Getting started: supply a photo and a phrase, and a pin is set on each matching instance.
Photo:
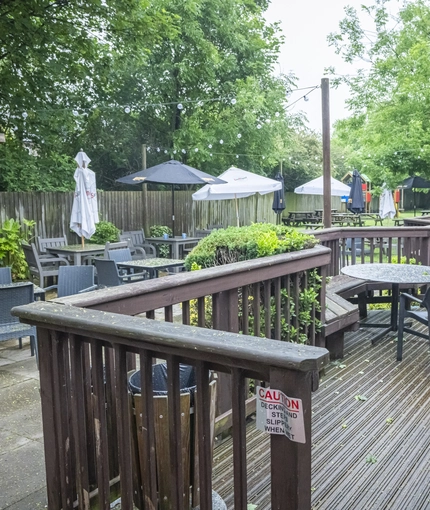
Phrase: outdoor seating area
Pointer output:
(346, 303)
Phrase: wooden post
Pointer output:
(145, 219)
(325, 99)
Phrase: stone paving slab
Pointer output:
(22, 464)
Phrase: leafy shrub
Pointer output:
(12, 234)
(158, 231)
(105, 232)
(235, 244)
(260, 240)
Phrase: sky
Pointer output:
(305, 25)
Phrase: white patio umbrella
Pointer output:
(84, 210)
(386, 204)
(239, 184)
(315, 187)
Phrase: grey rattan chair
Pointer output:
(5, 275)
(16, 294)
(41, 268)
(109, 276)
(74, 280)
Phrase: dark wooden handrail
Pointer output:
(83, 378)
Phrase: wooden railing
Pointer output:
(375, 244)
(86, 417)
(87, 344)
(260, 297)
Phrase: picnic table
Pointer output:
(344, 219)
(319, 212)
(297, 218)
(425, 213)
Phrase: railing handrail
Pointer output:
(194, 284)
(220, 347)
(333, 233)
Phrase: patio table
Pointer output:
(175, 243)
(153, 266)
(395, 274)
(77, 251)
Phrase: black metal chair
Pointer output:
(5, 275)
(16, 294)
(421, 316)
(74, 280)
(109, 276)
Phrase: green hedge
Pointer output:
(235, 244)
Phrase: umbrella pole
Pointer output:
(237, 210)
(173, 210)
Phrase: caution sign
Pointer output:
(279, 414)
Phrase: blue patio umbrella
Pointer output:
(356, 200)
(279, 198)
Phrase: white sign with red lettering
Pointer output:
(279, 414)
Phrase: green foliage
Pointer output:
(108, 77)
(158, 231)
(12, 234)
(261, 240)
(388, 137)
(235, 244)
(105, 232)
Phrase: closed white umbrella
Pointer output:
(84, 210)
(238, 184)
(386, 204)
(316, 187)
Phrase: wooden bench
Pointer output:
(346, 304)
(340, 314)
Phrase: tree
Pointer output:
(56, 61)
(208, 96)
(390, 100)
(191, 80)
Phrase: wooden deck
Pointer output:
(372, 452)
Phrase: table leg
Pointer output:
(78, 259)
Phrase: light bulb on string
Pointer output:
(75, 113)
(127, 109)
(24, 115)
(210, 146)
(221, 142)
(239, 135)
(196, 150)
(233, 101)
(180, 106)
(306, 98)
(258, 126)
(276, 114)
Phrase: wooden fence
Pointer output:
(51, 210)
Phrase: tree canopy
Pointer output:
(192, 80)
(388, 135)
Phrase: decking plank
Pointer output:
(345, 431)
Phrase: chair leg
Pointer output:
(20, 343)
(400, 333)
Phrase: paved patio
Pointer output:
(22, 472)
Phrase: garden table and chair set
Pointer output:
(82, 268)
